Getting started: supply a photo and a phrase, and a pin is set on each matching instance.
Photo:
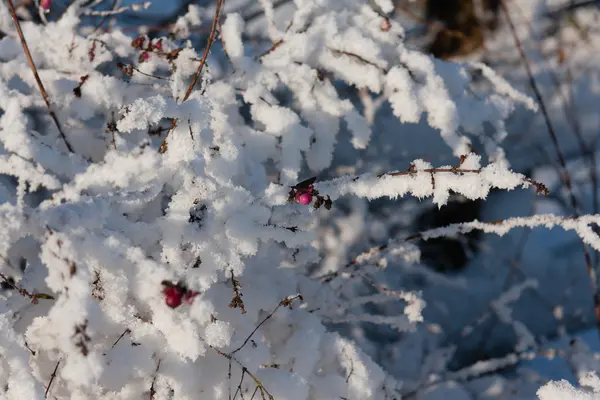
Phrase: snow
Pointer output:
(282, 299)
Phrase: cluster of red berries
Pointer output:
(175, 294)
(304, 192)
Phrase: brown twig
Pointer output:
(565, 177)
(211, 39)
(126, 331)
(540, 188)
(239, 388)
(152, 390)
(569, 110)
(36, 75)
(273, 47)
(52, 376)
(285, 302)
(229, 356)
(359, 58)
(209, 43)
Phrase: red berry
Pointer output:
(172, 296)
(158, 45)
(144, 56)
(45, 4)
(303, 198)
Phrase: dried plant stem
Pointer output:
(22, 291)
(211, 39)
(36, 75)
(52, 376)
(561, 159)
(285, 302)
(209, 43)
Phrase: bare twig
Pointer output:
(569, 109)
(239, 388)
(211, 39)
(259, 386)
(285, 302)
(359, 58)
(36, 75)
(561, 159)
(52, 376)
(152, 390)
(126, 331)
(273, 47)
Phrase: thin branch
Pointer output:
(126, 331)
(273, 47)
(359, 58)
(229, 356)
(239, 388)
(152, 390)
(36, 75)
(285, 302)
(52, 376)
(561, 159)
(569, 109)
(211, 39)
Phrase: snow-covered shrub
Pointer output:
(156, 241)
